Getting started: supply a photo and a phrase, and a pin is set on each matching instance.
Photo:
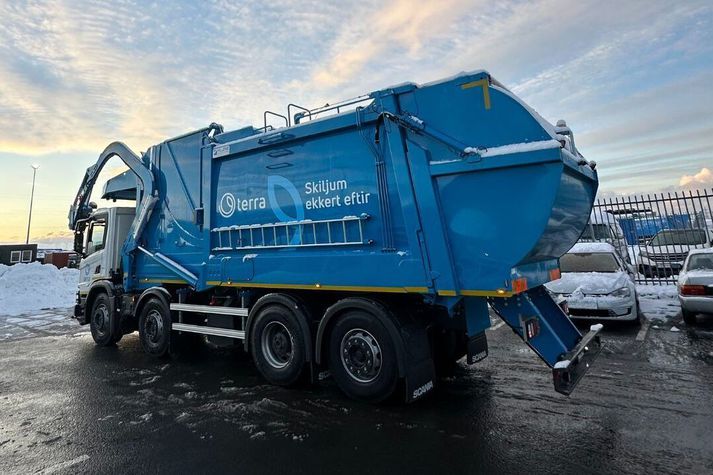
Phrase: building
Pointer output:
(15, 253)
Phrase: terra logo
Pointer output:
(226, 205)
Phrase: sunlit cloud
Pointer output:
(703, 177)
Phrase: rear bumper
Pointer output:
(697, 304)
(575, 364)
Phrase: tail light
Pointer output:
(693, 290)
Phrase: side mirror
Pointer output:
(79, 242)
(630, 269)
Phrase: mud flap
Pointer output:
(542, 324)
(419, 370)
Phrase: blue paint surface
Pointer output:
(323, 202)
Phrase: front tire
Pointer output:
(101, 323)
(277, 345)
(155, 327)
(362, 357)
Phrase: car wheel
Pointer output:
(689, 317)
(639, 315)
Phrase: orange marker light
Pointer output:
(555, 274)
(519, 285)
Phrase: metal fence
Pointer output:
(654, 232)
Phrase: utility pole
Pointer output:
(32, 197)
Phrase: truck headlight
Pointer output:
(622, 292)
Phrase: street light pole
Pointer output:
(32, 197)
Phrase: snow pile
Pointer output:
(658, 302)
(31, 287)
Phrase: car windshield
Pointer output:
(679, 236)
(596, 232)
(700, 262)
(589, 262)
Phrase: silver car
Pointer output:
(597, 284)
(695, 285)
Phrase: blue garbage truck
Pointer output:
(366, 239)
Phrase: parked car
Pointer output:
(604, 227)
(695, 285)
(597, 284)
(663, 254)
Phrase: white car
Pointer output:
(597, 284)
(663, 254)
(695, 285)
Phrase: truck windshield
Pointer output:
(596, 232)
(589, 262)
(700, 262)
(671, 237)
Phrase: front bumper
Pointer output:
(603, 308)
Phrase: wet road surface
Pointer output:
(67, 406)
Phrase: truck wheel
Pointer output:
(689, 318)
(362, 357)
(155, 327)
(101, 321)
(277, 345)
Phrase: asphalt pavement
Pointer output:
(67, 406)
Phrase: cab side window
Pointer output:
(96, 237)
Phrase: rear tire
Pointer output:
(101, 322)
(155, 327)
(689, 318)
(277, 345)
(362, 357)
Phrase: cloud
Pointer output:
(398, 25)
(703, 177)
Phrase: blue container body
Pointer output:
(448, 189)
(637, 230)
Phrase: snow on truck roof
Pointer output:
(586, 247)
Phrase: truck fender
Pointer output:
(295, 305)
(98, 287)
(159, 292)
(373, 307)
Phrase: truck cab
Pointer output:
(101, 244)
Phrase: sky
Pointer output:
(632, 79)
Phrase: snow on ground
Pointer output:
(30, 287)
(658, 302)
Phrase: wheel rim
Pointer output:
(153, 328)
(361, 355)
(277, 345)
(101, 319)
